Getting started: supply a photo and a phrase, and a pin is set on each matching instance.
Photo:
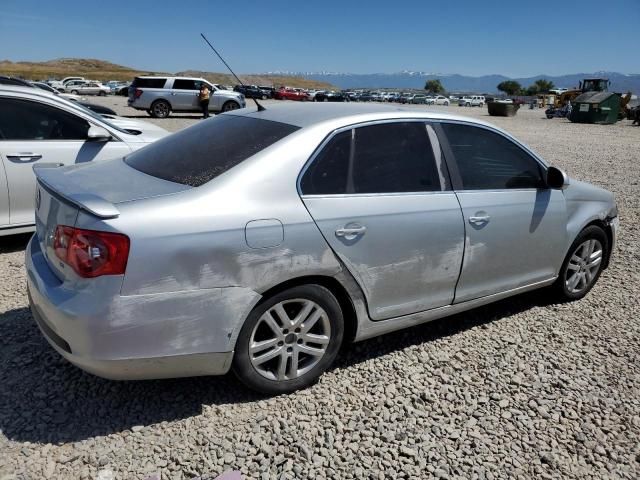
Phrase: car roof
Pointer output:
(310, 114)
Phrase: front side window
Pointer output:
(382, 158)
(489, 161)
(27, 120)
(200, 153)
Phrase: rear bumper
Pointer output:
(177, 334)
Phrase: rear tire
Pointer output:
(102, 94)
(583, 264)
(74, 92)
(277, 355)
(230, 105)
(160, 109)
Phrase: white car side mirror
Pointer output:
(98, 134)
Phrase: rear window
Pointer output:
(149, 82)
(198, 154)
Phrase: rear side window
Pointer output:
(27, 120)
(149, 82)
(384, 158)
(394, 157)
(489, 161)
(328, 173)
(182, 84)
(200, 153)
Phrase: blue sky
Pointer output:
(513, 38)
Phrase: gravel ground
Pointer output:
(520, 389)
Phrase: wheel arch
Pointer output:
(332, 284)
(608, 230)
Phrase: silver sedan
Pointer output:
(260, 241)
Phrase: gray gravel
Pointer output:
(520, 389)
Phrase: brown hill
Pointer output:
(104, 71)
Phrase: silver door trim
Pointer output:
(372, 328)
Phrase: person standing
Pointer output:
(203, 97)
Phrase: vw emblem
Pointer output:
(38, 198)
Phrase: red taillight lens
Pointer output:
(91, 253)
(137, 93)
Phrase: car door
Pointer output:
(38, 135)
(379, 194)
(515, 226)
(184, 95)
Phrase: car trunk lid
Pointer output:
(95, 188)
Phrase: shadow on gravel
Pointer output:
(171, 117)
(45, 399)
(442, 328)
(14, 243)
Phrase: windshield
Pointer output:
(200, 153)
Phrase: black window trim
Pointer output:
(442, 168)
(76, 111)
(452, 164)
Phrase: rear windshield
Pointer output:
(200, 153)
(148, 82)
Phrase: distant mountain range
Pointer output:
(620, 82)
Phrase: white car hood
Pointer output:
(148, 131)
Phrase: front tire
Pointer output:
(583, 264)
(289, 340)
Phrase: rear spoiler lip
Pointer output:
(87, 201)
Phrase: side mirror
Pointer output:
(557, 179)
(98, 134)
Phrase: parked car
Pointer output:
(251, 91)
(330, 97)
(312, 94)
(39, 129)
(84, 87)
(472, 101)
(160, 96)
(61, 84)
(440, 100)
(406, 97)
(287, 93)
(268, 90)
(365, 97)
(273, 229)
(419, 99)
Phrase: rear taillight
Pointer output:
(91, 253)
(137, 93)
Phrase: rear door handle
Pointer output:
(351, 231)
(23, 157)
(479, 219)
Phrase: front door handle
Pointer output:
(23, 157)
(351, 232)
(479, 219)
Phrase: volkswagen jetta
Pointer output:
(260, 241)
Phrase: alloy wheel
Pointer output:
(227, 107)
(583, 266)
(161, 109)
(289, 339)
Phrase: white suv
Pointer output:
(160, 96)
(473, 101)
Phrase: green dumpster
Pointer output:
(595, 107)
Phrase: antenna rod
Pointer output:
(260, 107)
